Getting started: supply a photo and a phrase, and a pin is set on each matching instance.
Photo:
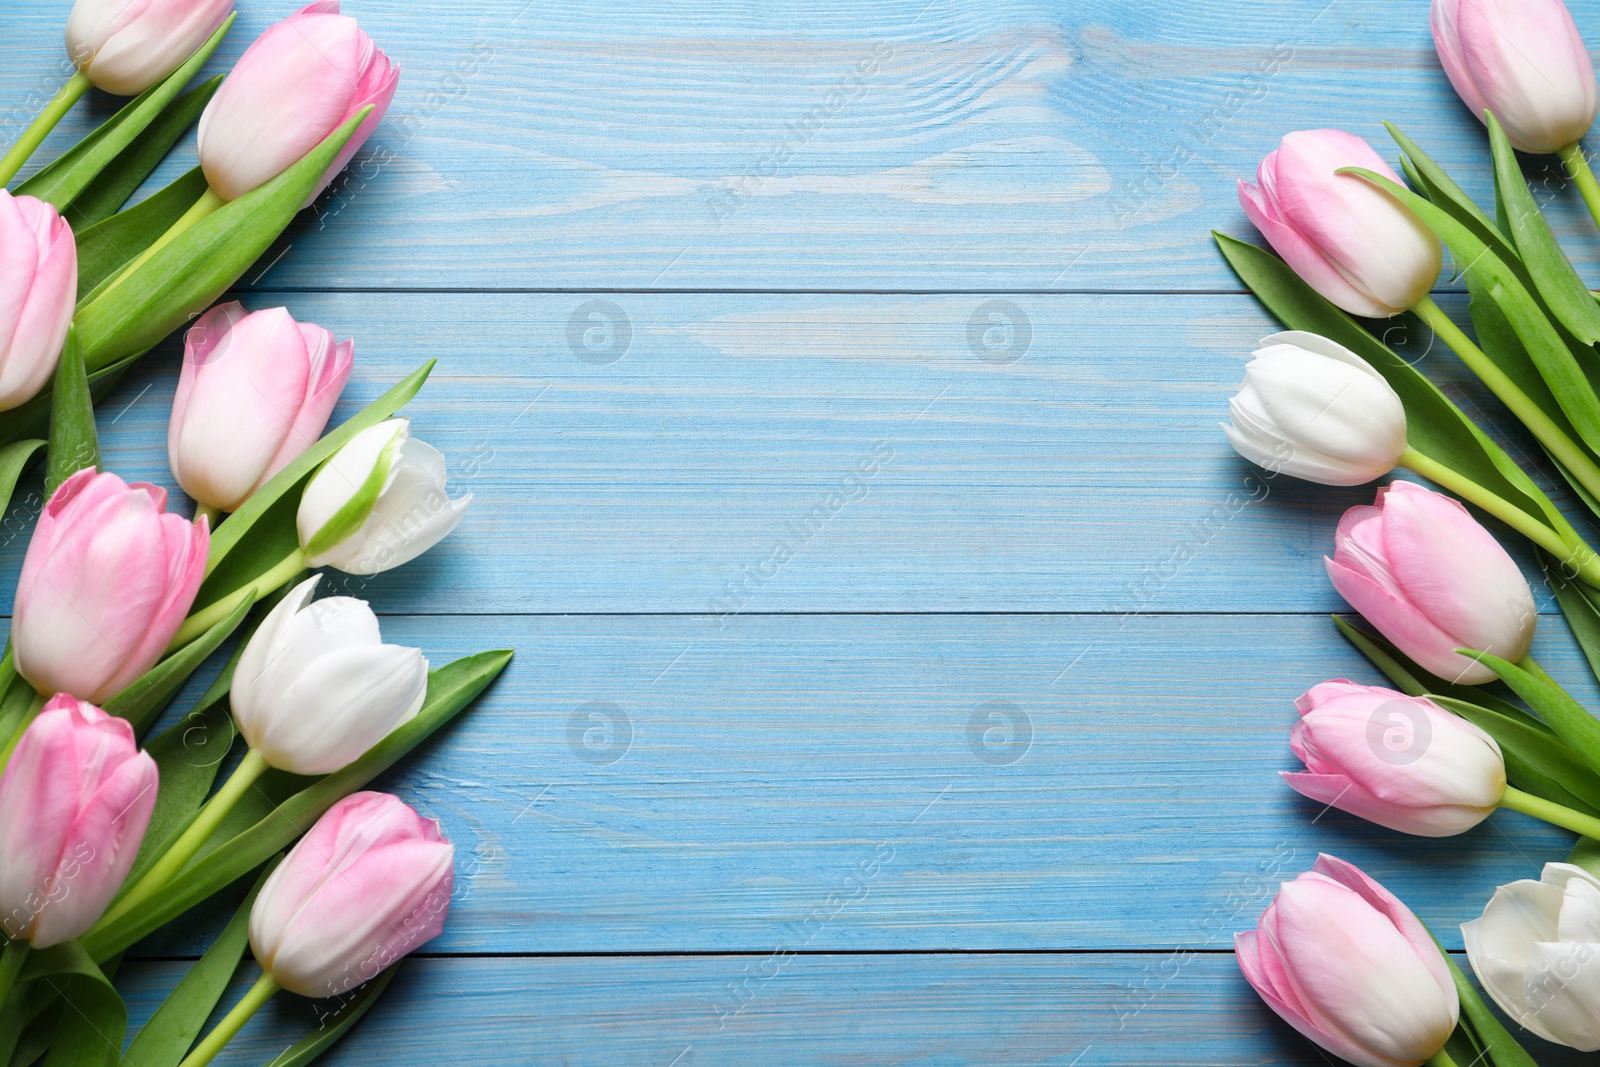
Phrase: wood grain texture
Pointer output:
(847, 144)
(1100, 1010)
(769, 453)
(1014, 782)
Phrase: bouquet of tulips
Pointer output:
(112, 824)
(1448, 612)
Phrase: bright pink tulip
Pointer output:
(1432, 580)
(1350, 967)
(74, 804)
(295, 85)
(126, 46)
(255, 392)
(368, 884)
(1351, 241)
(1401, 762)
(1522, 59)
(106, 583)
(38, 286)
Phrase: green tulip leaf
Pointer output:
(108, 246)
(14, 460)
(1487, 1031)
(164, 1039)
(142, 701)
(32, 419)
(262, 532)
(1586, 854)
(1557, 365)
(331, 1027)
(74, 444)
(105, 195)
(194, 268)
(91, 1034)
(1570, 721)
(1553, 276)
(1579, 604)
(450, 689)
(1434, 425)
(66, 178)
(1443, 191)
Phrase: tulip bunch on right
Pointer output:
(1472, 723)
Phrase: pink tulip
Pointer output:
(1350, 967)
(106, 583)
(1401, 762)
(255, 392)
(368, 884)
(296, 84)
(75, 800)
(1351, 241)
(1523, 60)
(38, 287)
(126, 46)
(1432, 580)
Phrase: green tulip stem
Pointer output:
(1582, 176)
(1441, 1059)
(232, 1023)
(220, 609)
(22, 727)
(1566, 451)
(205, 823)
(11, 961)
(42, 124)
(209, 201)
(1540, 808)
(1572, 551)
(207, 512)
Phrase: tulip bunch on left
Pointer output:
(121, 598)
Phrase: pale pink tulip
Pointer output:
(1523, 60)
(1350, 967)
(368, 884)
(75, 800)
(106, 583)
(1432, 580)
(38, 287)
(296, 84)
(126, 46)
(255, 392)
(1349, 240)
(1401, 762)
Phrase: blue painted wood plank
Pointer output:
(845, 144)
(769, 453)
(1020, 782)
(1095, 1010)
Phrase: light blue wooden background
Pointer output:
(994, 749)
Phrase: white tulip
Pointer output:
(316, 686)
(380, 501)
(1312, 408)
(1536, 949)
(126, 46)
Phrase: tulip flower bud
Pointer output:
(38, 287)
(1349, 240)
(255, 392)
(106, 583)
(1522, 60)
(75, 800)
(316, 686)
(126, 46)
(1401, 762)
(296, 84)
(378, 502)
(1312, 408)
(1536, 949)
(1432, 580)
(1350, 967)
(367, 885)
